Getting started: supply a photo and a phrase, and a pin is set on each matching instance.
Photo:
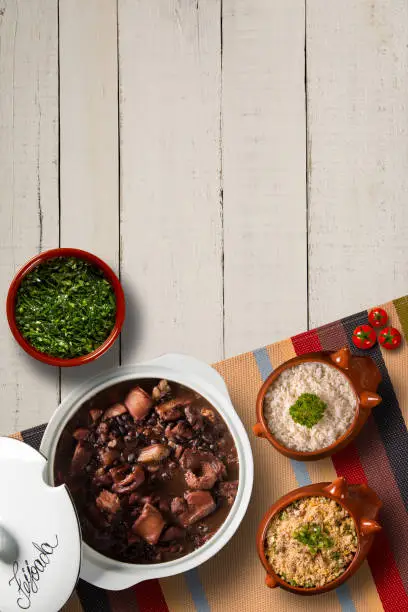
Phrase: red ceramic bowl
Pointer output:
(109, 274)
(362, 504)
(364, 377)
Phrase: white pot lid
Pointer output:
(40, 538)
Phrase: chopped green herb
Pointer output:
(307, 410)
(292, 582)
(313, 536)
(335, 555)
(65, 307)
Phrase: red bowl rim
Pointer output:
(80, 254)
(315, 489)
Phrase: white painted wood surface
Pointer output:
(28, 188)
(264, 176)
(89, 151)
(171, 225)
(358, 142)
(207, 218)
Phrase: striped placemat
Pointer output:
(234, 579)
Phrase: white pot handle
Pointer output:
(185, 363)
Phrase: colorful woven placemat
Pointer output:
(234, 579)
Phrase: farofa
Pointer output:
(310, 565)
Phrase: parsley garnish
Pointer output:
(307, 410)
(314, 537)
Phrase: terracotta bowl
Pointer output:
(364, 377)
(363, 505)
(109, 275)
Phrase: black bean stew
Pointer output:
(153, 471)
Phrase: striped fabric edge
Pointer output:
(146, 596)
(17, 436)
(197, 591)
(92, 598)
(122, 601)
(348, 463)
(73, 604)
(397, 361)
(149, 596)
(33, 436)
(387, 415)
(177, 593)
(364, 461)
(390, 432)
(300, 468)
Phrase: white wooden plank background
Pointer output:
(28, 188)
(190, 178)
(264, 172)
(89, 153)
(357, 72)
(171, 223)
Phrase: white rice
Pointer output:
(329, 385)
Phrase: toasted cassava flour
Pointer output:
(311, 542)
(323, 380)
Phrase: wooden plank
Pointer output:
(264, 172)
(169, 56)
(89, 142)
(358, 123)
(29, 188)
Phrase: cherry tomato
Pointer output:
(389, 338)
(364, 337)
(377, 317)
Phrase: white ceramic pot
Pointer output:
(111, 574)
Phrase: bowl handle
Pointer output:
(337, 488)
(341, 358)
(369, 399)
(270, 581)
(369, 526)
(258, 430)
